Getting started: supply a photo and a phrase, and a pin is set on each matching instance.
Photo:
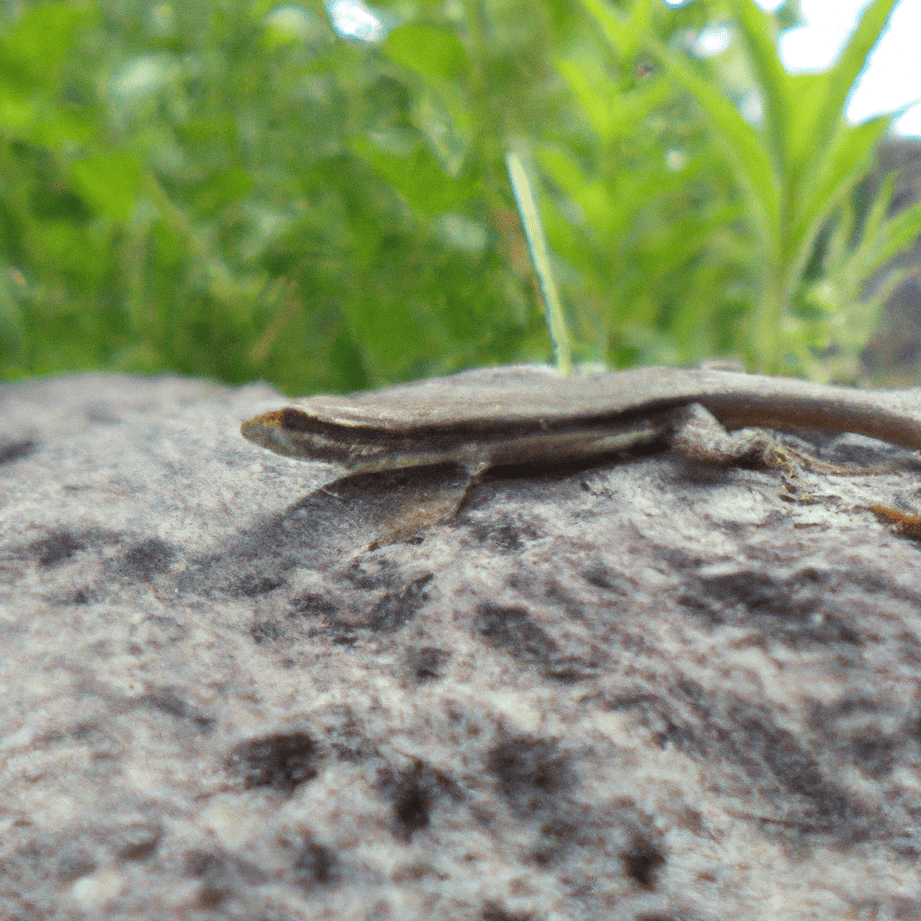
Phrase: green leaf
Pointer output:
(109, 183)
(419, 178)
(36, 46)
(18, 112)
(441, 118)
(33, 51)
(841, 169)
(805, 108)
(433, 53)
(893, 236)
(613, 113)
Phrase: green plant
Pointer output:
(795, 170)
(235, 190)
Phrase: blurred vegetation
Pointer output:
(234, 189)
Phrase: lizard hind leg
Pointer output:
(699, 435)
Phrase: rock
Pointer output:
(644, 689)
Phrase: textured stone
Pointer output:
(640, 690)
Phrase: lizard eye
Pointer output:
(293, 420)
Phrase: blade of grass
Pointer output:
(540, 254)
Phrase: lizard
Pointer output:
(532, 415)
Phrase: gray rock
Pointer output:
(639, 690)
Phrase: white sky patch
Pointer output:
(354, 19)
(713, 41)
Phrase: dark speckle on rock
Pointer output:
(512, 628)
(11, 451)
(531, 773)
(412, 804)
(313, 863)
(643, 861)
(138, 840)
(146, 559)
(171, 702)
(266, 631)
(398, 607)
(58, 547)
(282, 762)
(260, 585)
(426, 663)
(312, 604)
(493, 911)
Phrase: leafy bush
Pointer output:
(235, 190)
(794, 173)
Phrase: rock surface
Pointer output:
(645, 690)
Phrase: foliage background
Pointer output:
(233, 189)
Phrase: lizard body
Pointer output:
(524, 414)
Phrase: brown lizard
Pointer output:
(529, 414)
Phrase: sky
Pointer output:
(892, 79)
